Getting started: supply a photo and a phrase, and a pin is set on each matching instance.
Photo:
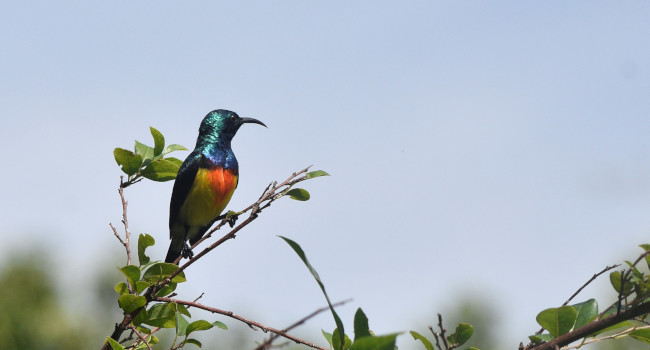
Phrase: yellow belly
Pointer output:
(208, 197)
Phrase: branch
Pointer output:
(593, 278)
(141, 337)
(125, 222)
(593, 327)
(272, 193)
(269, 194)
(126, 242)
(267, 344)
(611, 336)
(249, 322)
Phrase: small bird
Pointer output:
(205, 182)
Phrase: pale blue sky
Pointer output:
(498, 148)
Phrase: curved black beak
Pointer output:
(251, 120)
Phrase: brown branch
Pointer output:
(593, 278)
(267, 344)
(593, 327)
(436, 337)
(249, 322)
(442, 332)
(272, 192)
(268, 194)
(607, 268)
(141, 337)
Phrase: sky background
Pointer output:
(498, 150)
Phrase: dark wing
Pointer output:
(183, 184)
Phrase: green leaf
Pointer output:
(162, 170)
(132, 274)
(174, 147)
(616, 279)
(346, 342)
(193, 342)
(161, 315)
(159, 271)
(121, 288)
(361, 328)
(166, 290)
(144, 151)
(328, 337)
(114, 344)
(183, 310)
(472, 348)
(541, 338)
(299, 194)
(558, 321)
(316, 173)
(153, 340)
(417, 336)
(220, 324)
(176, 161)
(587, 312)
(642, 335)
(140, 286)
(143, 330)
(140, 317)
(384, 342)
(337, 339)
(181, 325)
(130, 302)
(463, 332)
(646, 247)
(144, 240)
(624, 324)
(129, 162)
(158, 140)
(199, 325)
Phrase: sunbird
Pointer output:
(205, 182)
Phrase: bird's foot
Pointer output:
(231, 217)
(186, 252)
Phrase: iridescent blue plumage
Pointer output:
(205, 182)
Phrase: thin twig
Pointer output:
(593, 327)
(270, 194)
(267, 344)
(593, 278)
(442, 331)
(612, 336)
(116, 234)
(125, 222)
(607, 268)
(436, 337)
(140, 336)
(249, 322)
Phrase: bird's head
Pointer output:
(222, 125)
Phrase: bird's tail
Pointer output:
(175, 249)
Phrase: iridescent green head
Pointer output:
(221, 126)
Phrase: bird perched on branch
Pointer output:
(205, 182)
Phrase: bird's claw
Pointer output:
(186, 252)
(231, 218)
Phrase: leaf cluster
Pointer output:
(149, 162)
(633, 288)
(135, 297)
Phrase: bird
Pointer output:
(205, 182)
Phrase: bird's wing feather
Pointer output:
(183, 184)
